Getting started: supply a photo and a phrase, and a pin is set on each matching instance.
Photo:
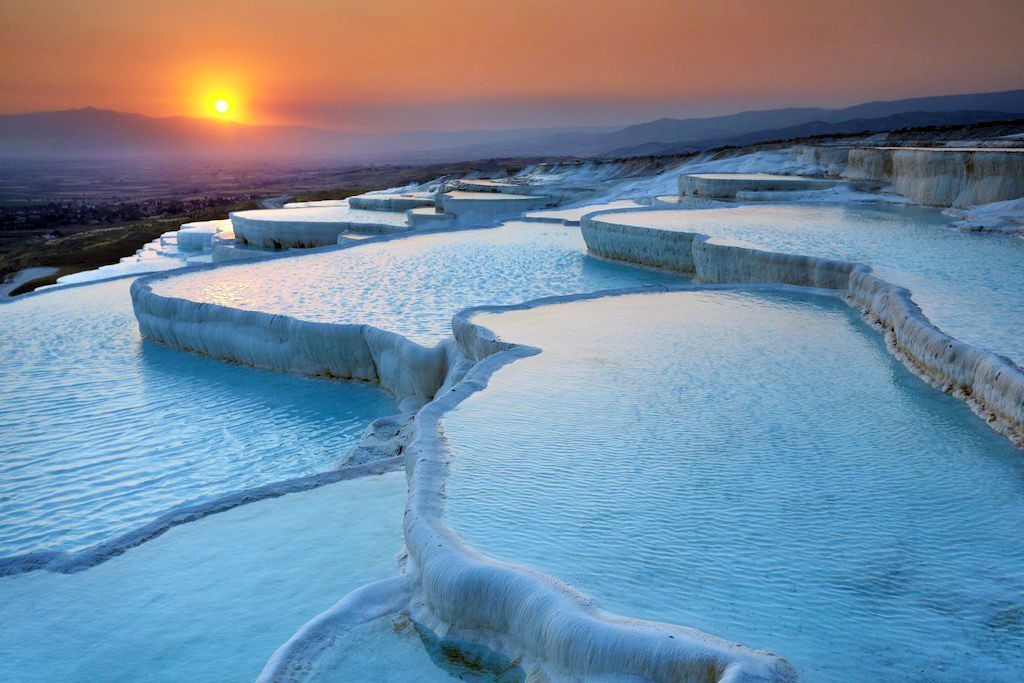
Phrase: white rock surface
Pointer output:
(311, 227)
(727, 185)
(955, 177)
(198, 236)
(483, 208)
(992, 385)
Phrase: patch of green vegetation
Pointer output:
(91, 249)
(83, 247)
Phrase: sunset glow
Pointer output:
(631, 339)
(614, 63)
(220, 105)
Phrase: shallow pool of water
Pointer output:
(748, 176)
(101, 432)
(758, 467)
(968, 284)
(207, 601)
(320, 213)
(574, 214)
(392, 649)
(414, 285)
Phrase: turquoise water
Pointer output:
(414, 285)
(393, 649)
(101, 433)
(207, 601)
(968, 284)
(758, 467)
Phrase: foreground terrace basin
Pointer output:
(210, 600)
(101, 433)
(968, 284)
(413, 285)
(754, 465)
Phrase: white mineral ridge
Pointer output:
(459, 592)
(947, 177)
(728, 185)
(992, 385)
(198, 236)
(311, 226)
(391, 201)
(482, 208)
(321, 203)
(571, 214)
(1005, 217)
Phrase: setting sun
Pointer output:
(222, 104)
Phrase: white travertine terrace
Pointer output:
(427, 217)
(992, 385)
(572, 216)
(486, 207)
(278, 342)
(311, 226)
(199, 236)
(490, 185)
(552, 630)
(943, 176)
(462, 596)
(383, 201)
(726, 185)
(321, 203)
(322, 225)
(831, 160)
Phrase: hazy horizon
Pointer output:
(396, 66)
(607, 126)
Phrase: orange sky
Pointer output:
(408, 64)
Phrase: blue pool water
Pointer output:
(101, 433)
(970, 285)
(758, 467)
(392, 649)
(414, 285)
(207, 601)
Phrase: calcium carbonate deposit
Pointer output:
(414, 285)
(172, 430)
(753, 465)
(976, 299)
(729, 417)
(209, 600)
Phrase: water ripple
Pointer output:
(101, 433)
(759, 468)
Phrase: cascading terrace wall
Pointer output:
(722, 186)
(256, 231)
(463, 597)
(942, 177)
(550, 629)
(992, 385)
(283, 343)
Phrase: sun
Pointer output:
(221, 106)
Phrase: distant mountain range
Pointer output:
(102, 134)
(911, 119)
